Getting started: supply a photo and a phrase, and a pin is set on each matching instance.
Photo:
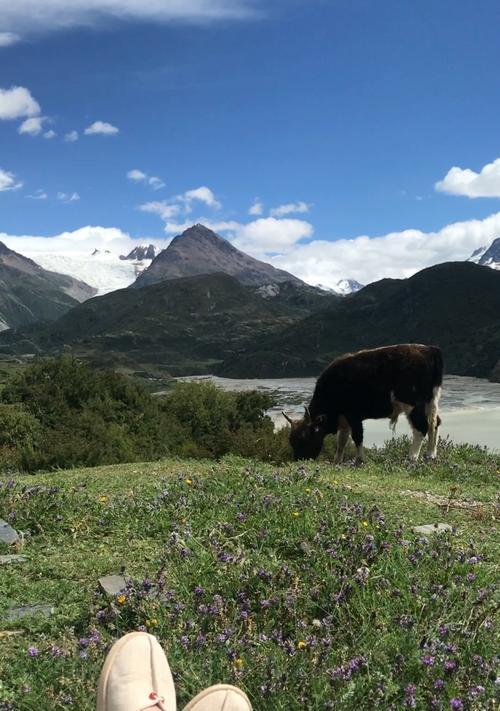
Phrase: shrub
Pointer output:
(20, 435)
(76, 415)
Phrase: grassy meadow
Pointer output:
(305, 585)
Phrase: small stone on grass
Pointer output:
(7, 533)
(113, 584)
(431, 528)
(19, 613)
(8, 559)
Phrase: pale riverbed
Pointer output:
(470, 407)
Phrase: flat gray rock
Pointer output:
(19, 613)
(7, 533)
(8, 559)
(431, 528)
(113, 584)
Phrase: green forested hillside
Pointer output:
(454, 305)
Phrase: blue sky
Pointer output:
(347, 111)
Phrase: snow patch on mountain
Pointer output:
(103, 270)
(344, 287)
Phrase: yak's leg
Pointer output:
(433, 421)
(357, 435)
(342, 439)
(418, 421)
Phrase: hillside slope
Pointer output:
(187, 325)
(455, 305)
(270, 550)
(29, 293)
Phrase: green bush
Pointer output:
(62, 413)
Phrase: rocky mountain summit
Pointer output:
(141, 252)
(199, 250)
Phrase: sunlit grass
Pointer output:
(304, 585)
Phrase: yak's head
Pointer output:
(307, 435)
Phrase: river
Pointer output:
(470, 407)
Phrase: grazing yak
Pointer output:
(371, 385)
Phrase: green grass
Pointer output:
(304, 585)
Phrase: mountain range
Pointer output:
(203, 306)
(214, 324)
(198, 250)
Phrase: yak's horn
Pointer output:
(308, 414)
(287, 418)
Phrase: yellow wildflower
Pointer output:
(308, 490)
(343, 536)
(152, 622)
(295, 513)
(301, 644)
(239, 663)
(189, 482)
(103, 499)
(365, 523)
(121, 599)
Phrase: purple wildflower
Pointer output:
(428, 660)
(456, 704)
(33, 651)
(450, 665)
(476, 691)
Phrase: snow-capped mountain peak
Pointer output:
(487, 256)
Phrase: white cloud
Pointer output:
(261, 237)
(101, 128)
(51, 15)
(464, 181)
(139, 177)
(71, 137)
(395, 255)
(179, 204)
(8, 38)
(257, 208)
(289, 209)
(202, 194)
(162, 208)
(8, 181)
(68, 197)
(79, 243)
(268, 235)
(17, 102)
(39, 195)
(49, 134)
(32, 126)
